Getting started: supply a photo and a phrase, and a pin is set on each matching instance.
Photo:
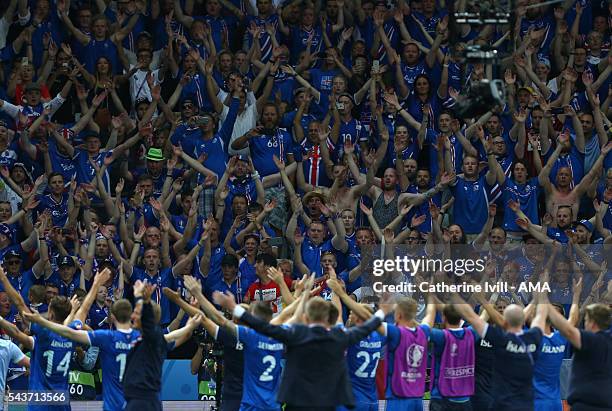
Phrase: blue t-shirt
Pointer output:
(50, 360)
(114, 348)
(85, 172)
(574, 160)
(164, 278)
(98, 317)
(471, 207)
(262, 369)
(526, 195)
(311, 255)
(264, 147)
(546, 383)
(362, 360)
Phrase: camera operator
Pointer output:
(205, 366)
(227, 350)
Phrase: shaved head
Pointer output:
(514, 316)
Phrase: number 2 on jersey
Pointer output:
(360, 372)
(268, 359)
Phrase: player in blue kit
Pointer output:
(362, 358)
(262, 360)
(51, 353)
(114, 344)
(552, 351)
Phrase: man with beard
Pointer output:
(564, 191)
(153, 273)
(563, 220)
(316, 164)
(506, 151)
(387, 200)
(422, 184)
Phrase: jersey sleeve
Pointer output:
(393, 336)
(98, 338)
(244, 335)
(426, 329)
(534, 335)
(15, 353)
(493, 335)
(437, 337)
(226, 338)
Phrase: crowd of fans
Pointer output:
(219, 138)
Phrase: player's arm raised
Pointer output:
(279, 333)
(75, 335)
(469, 315)
(181, 335)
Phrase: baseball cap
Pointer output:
(66, 260)
(253, 235)
(155, 154)
(298, 91)
(347, 95)
(145, 34)
(13, 253)
(544, 61)
(32, 87)
(5, 230)
(586, 224)
(90, 133)
(242, 157)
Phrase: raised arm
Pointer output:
(79, 336)
(469, 315)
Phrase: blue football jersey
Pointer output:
(547, 368)
(114, 348)
(362, 359)
(262, 369)
(50, 363)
